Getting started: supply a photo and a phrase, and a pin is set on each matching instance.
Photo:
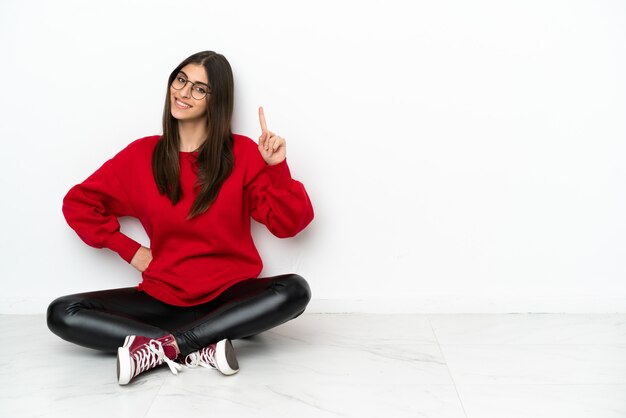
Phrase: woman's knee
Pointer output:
(297, 290)
(58, 313)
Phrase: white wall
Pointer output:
(460, 156)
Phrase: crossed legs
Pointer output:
(103, 319)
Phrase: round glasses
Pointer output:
(198, 90)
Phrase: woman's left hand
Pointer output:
(272, 147)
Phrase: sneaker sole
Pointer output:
(123, 361)
(225, 358)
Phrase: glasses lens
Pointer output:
(179, 82)
(198, 92)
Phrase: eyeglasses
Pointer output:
(198, 90)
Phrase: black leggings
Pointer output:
(102, 320)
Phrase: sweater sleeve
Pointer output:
(278, 201)
(91, 209)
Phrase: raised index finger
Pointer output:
(262, 119)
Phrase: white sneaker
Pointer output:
(220, 356)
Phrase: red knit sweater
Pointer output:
(193, 260)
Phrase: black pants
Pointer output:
(101, 320)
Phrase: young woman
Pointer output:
(194, 189)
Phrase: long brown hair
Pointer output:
(215, 159)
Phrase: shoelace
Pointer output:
(153, 355)
(204, 358)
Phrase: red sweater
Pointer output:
(195, 260)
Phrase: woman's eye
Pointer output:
(201, 90)
(182, 79)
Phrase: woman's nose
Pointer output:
(186, 91)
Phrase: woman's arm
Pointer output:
(91, 209)
(277, 200)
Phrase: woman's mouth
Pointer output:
(180, 104)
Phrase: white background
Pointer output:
(460, 156)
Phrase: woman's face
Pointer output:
(184, 106)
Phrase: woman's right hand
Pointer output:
(142, 258)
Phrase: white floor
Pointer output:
(347, 365)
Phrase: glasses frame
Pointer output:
(208, 91)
